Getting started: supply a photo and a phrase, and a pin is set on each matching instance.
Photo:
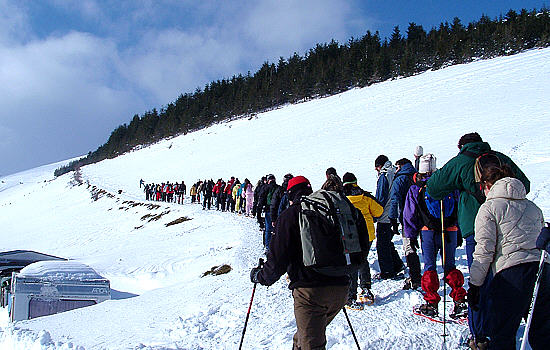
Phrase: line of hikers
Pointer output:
(164, 192)
(232, 196)
(477, 198)
(481, 195)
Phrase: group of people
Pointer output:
(232, 196)
(164, 192)
(478, 198)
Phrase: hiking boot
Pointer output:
(389, 276)
(460, 309)
(353, 305)
(366, 297)
(480, 344)
(410, 285)
(428, 309)
(400, 269)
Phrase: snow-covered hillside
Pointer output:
(160, 299)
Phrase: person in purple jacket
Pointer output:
(422, 217)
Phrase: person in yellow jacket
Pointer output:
(370, 209)
(236, 198)
(193, 193)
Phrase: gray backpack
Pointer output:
(330, 237)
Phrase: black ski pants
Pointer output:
(388, 258)
(508, 300)
(363, 272)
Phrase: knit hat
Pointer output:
(419, 151)
(270, 177)
(297, 187)
(468, 138)
(380, 160)
(296, 181)
(427, 164)
(349, 178)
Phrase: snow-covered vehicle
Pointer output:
(14, 261)
(50, 287)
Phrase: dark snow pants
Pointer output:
(364, 277)
(314, 309)
(477, 319)
(508, 300)
(388, 258)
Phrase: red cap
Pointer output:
(296, 181)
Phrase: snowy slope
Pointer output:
(161, 301)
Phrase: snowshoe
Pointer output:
(353, 305)
(410, 285)
(366, 297)
(460, 310)
(428, 309)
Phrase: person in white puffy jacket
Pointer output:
(503, 272)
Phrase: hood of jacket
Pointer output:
(508, 187)
(387, 167)
(476, 147)
(407, 169)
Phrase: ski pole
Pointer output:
(350, 327)
(533, 299)
(260, 264)
(443, 258)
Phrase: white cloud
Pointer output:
(141, 56)
(13, 23)
(171, 62)
(281, 25)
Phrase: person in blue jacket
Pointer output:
(401, 184)
(388, 259)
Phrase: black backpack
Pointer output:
(328, 230)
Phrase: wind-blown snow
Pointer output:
(160, 300)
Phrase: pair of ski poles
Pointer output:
(260, 264)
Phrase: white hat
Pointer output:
(419, 151)
(427, 164)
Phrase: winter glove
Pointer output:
(473, 296)
(254, 274)
(543, 241)
(414, 243)
(394, 226)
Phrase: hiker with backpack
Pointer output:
(276, 199)
(422, 219)
(506, 262)
(370, 208)
(459, 174)
(388, 258)
(318, 274)
(264, 204)
(401, 184)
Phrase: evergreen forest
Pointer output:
(328, 69)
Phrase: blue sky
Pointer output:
(72, 71)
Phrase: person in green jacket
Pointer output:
(458, 174)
